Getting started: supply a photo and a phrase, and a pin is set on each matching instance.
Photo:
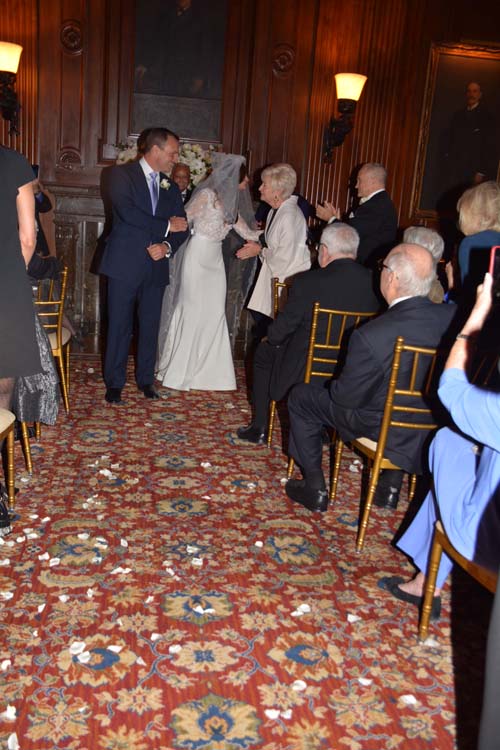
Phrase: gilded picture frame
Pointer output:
(451, 68)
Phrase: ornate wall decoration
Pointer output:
(69, 159)
(71, 37)
(283, 59)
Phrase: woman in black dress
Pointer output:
(19, 354)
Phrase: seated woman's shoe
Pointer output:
(5, 527)
(391, 584)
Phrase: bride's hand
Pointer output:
(249, 250)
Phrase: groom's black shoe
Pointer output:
(114, 395)
(149, 391)
(312, 499)
(252, 434)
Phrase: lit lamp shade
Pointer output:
(9, 57)
(349, 85)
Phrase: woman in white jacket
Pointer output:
(285, 252)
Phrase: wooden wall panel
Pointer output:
(75, 85)
(18, 24)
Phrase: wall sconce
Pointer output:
(349, 88)
(9, 63)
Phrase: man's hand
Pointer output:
(249, 250)
(158, 251)
(327, 211)
(178, 224)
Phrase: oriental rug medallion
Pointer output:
(160, 592)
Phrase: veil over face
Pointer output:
(224, 180)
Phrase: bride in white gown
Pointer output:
(194, 345)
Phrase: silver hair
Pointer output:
(282, 177)
(425, 237)
(376, 171)
(411, 283)
(340, 238)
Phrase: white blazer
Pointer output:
(285, 254)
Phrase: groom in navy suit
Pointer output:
(149, 225)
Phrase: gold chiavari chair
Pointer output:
(280, 294)
(50, 310)
(330, 330)
(7, 420)
(440, 542)
(410, 389)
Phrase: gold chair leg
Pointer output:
(9, 441)
(66, 352)
(372, 486)
(62, 373)
(339, 447)
(430, 586)
(291, 464)
(411, 488)
(272, 417)
(26, 447)
(38, 430)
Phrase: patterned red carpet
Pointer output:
(159, 591)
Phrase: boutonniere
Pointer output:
(165, 184)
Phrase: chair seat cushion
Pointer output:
(367, 443)
(6, 419)
(65, 337)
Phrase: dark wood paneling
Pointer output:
(278, 91)
(18, 24)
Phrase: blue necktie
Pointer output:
(153, 189)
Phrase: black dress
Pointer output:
(18, 347)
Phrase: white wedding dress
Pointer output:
(196, 351)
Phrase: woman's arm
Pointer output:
(244, 230)
(25, 204)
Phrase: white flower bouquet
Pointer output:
(197, 158)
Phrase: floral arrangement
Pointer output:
(126, 151)
(197, 158)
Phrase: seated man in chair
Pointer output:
(354, 404)
(280, 359)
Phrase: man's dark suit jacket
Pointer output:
(359, 393)
(135, 228)
(186, 195)
(342, 285)
(376, 222)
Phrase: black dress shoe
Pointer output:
(298, 491)
(149, 391)
(113, 395)
(391, 584)
(386, 497)
(252, 434)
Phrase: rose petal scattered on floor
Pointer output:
(9, 714)
(77, 647)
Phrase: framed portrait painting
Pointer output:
(179, 66)
(459, 139)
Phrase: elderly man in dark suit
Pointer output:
(149, 224)
(280, 360)
(354, 404)
(374, 218)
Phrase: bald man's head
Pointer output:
(408, 271)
